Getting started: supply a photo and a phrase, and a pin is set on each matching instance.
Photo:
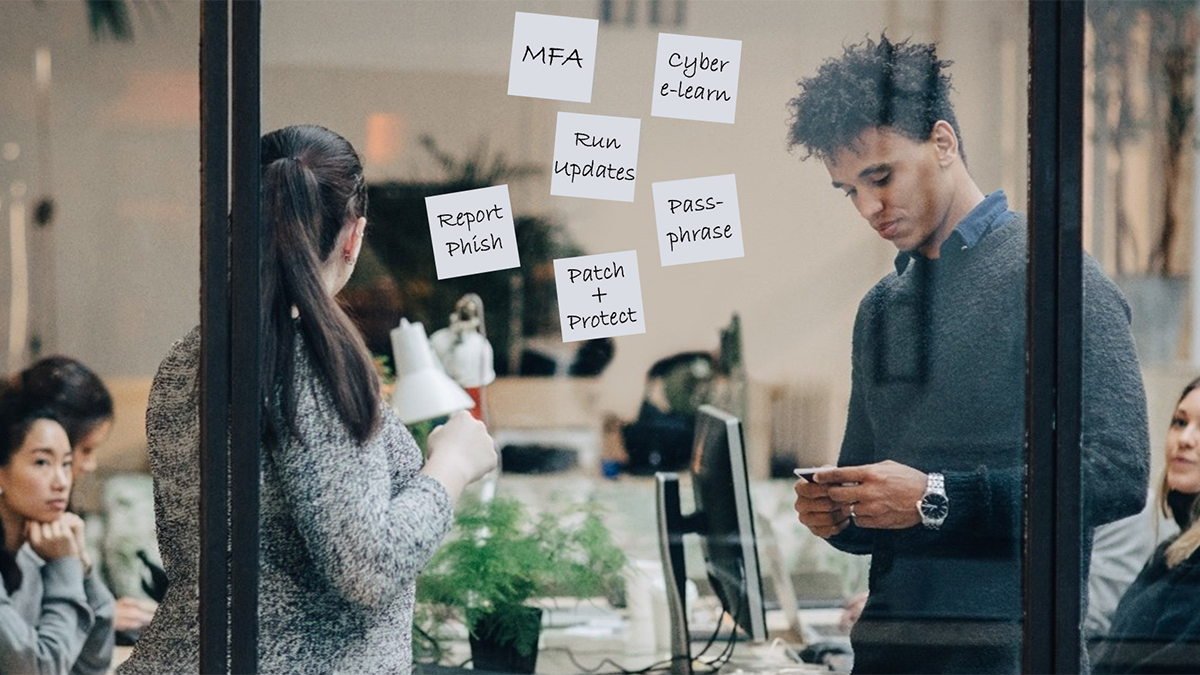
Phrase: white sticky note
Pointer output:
(553, 57)
(472, 232)
(599, 296)
(595, 156)
(697, 220)
(696, 78)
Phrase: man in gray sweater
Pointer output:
(931, 470)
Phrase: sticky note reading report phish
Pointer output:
(696, 78)
(553, 57)
(599, 296)
(472, 232)
(595, 156)
(697, 220)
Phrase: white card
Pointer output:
(472, 232)
(599, 296)
(696, 78)
(595, 156)
(553, 57)
(697, 220)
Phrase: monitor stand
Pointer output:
(672, 525)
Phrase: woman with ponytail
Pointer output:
(1156, 627)
(55, 614)
(350, 512)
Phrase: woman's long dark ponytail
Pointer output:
(312, 187)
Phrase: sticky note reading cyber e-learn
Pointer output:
(697, 220)
(472, 232)
(595, 156)
(599, 296)
(553, 57)
(696, 78)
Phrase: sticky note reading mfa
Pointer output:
(696, 78)
(553, 57)
(697, 220)
(599, 296)
(595, 156)
(472, 232)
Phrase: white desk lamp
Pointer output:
(423, 390)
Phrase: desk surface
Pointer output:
(602, 644)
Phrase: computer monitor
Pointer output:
(724, 520)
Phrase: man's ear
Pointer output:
(945, 141)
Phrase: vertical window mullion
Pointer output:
(1054, 376)
(214, 330)
(246, 243)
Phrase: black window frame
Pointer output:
(231, 251)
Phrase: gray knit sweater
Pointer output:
(345, 531)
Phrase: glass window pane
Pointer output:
(795, 336)
(1140, 227)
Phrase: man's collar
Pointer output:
(968, 232)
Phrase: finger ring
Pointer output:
(851, 510)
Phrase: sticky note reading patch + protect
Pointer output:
(599, 296)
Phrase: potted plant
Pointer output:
(499, 558)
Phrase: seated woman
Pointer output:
(55, 614)
(79, 400)
(1156, 627)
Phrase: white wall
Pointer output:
(808, 257)
(124, 154)
(125, 139)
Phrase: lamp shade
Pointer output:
(423, 390)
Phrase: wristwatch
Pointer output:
(934, 506)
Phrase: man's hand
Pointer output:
(882, 496)
(816, 511)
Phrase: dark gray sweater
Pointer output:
(938, 383)
(345, 531)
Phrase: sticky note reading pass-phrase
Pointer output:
(553, 57)
(595, 156)
(696, 78)
(599, 296)
(697, 220)
(472, 232)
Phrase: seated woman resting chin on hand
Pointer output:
(55, 615)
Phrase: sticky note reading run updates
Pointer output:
(599, 296)
(595, 156)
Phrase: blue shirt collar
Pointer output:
(970, 230)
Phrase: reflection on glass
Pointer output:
(1139, 221)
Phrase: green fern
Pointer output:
(499, 557)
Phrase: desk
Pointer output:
(602, 644)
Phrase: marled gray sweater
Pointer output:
(345, 531)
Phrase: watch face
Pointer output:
(935, 506)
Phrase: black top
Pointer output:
(1156, 628)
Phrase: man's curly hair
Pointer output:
(901, 86)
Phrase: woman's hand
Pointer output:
(53, 540)
(133, 614)
(77, 527)
(460, 452)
